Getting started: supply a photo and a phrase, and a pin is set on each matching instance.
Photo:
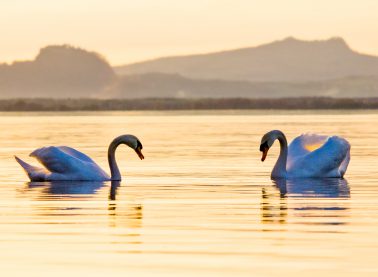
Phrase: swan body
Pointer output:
(63, 163)
(308, 156)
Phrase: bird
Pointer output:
(63, 163)
(308, 155)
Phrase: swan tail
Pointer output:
(34, 173)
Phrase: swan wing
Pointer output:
(329, 160)
(345, 163)
(74, 153)
(304, 144)
(61, 159)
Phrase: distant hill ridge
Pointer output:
(286, 68)
(288, 60)
(57, 71)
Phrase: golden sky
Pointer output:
(133, 30)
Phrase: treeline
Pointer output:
(44, 104)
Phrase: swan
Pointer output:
(308, 156)
(64, 163)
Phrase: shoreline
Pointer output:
(181, 104)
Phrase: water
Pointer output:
(200, 204)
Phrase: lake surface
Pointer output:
(200, 204)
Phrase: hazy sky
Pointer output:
(133, 30)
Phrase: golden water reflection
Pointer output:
(200, 204)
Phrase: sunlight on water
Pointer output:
(200, 204)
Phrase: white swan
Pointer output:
(64, 163)
(308, 155)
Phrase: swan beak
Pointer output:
(139, 152)
(264, 153)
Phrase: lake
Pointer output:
(200, 204)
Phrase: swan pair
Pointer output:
(308, 156)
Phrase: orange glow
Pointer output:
(313, 147)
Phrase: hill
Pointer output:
(288, 68)
(288, 60)
(57, 71)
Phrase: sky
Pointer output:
(127, 31)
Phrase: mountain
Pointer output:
(288, 60)
(57, 71)
(287, 68)
(160, 85)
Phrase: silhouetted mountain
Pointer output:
(57, 71)
(288, 60)
(288, 68)
(170, 85)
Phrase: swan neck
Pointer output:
(114, 170)
(279, 170)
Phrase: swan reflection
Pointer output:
(67, 188)
(313, 187)
(131, 216)
(76, 199)
(305, 201)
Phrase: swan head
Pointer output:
(133, 142)
(267, 141)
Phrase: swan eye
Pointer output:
(264, 146)
(139, 145)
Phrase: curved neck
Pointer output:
(279, 170)
(115, 174)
